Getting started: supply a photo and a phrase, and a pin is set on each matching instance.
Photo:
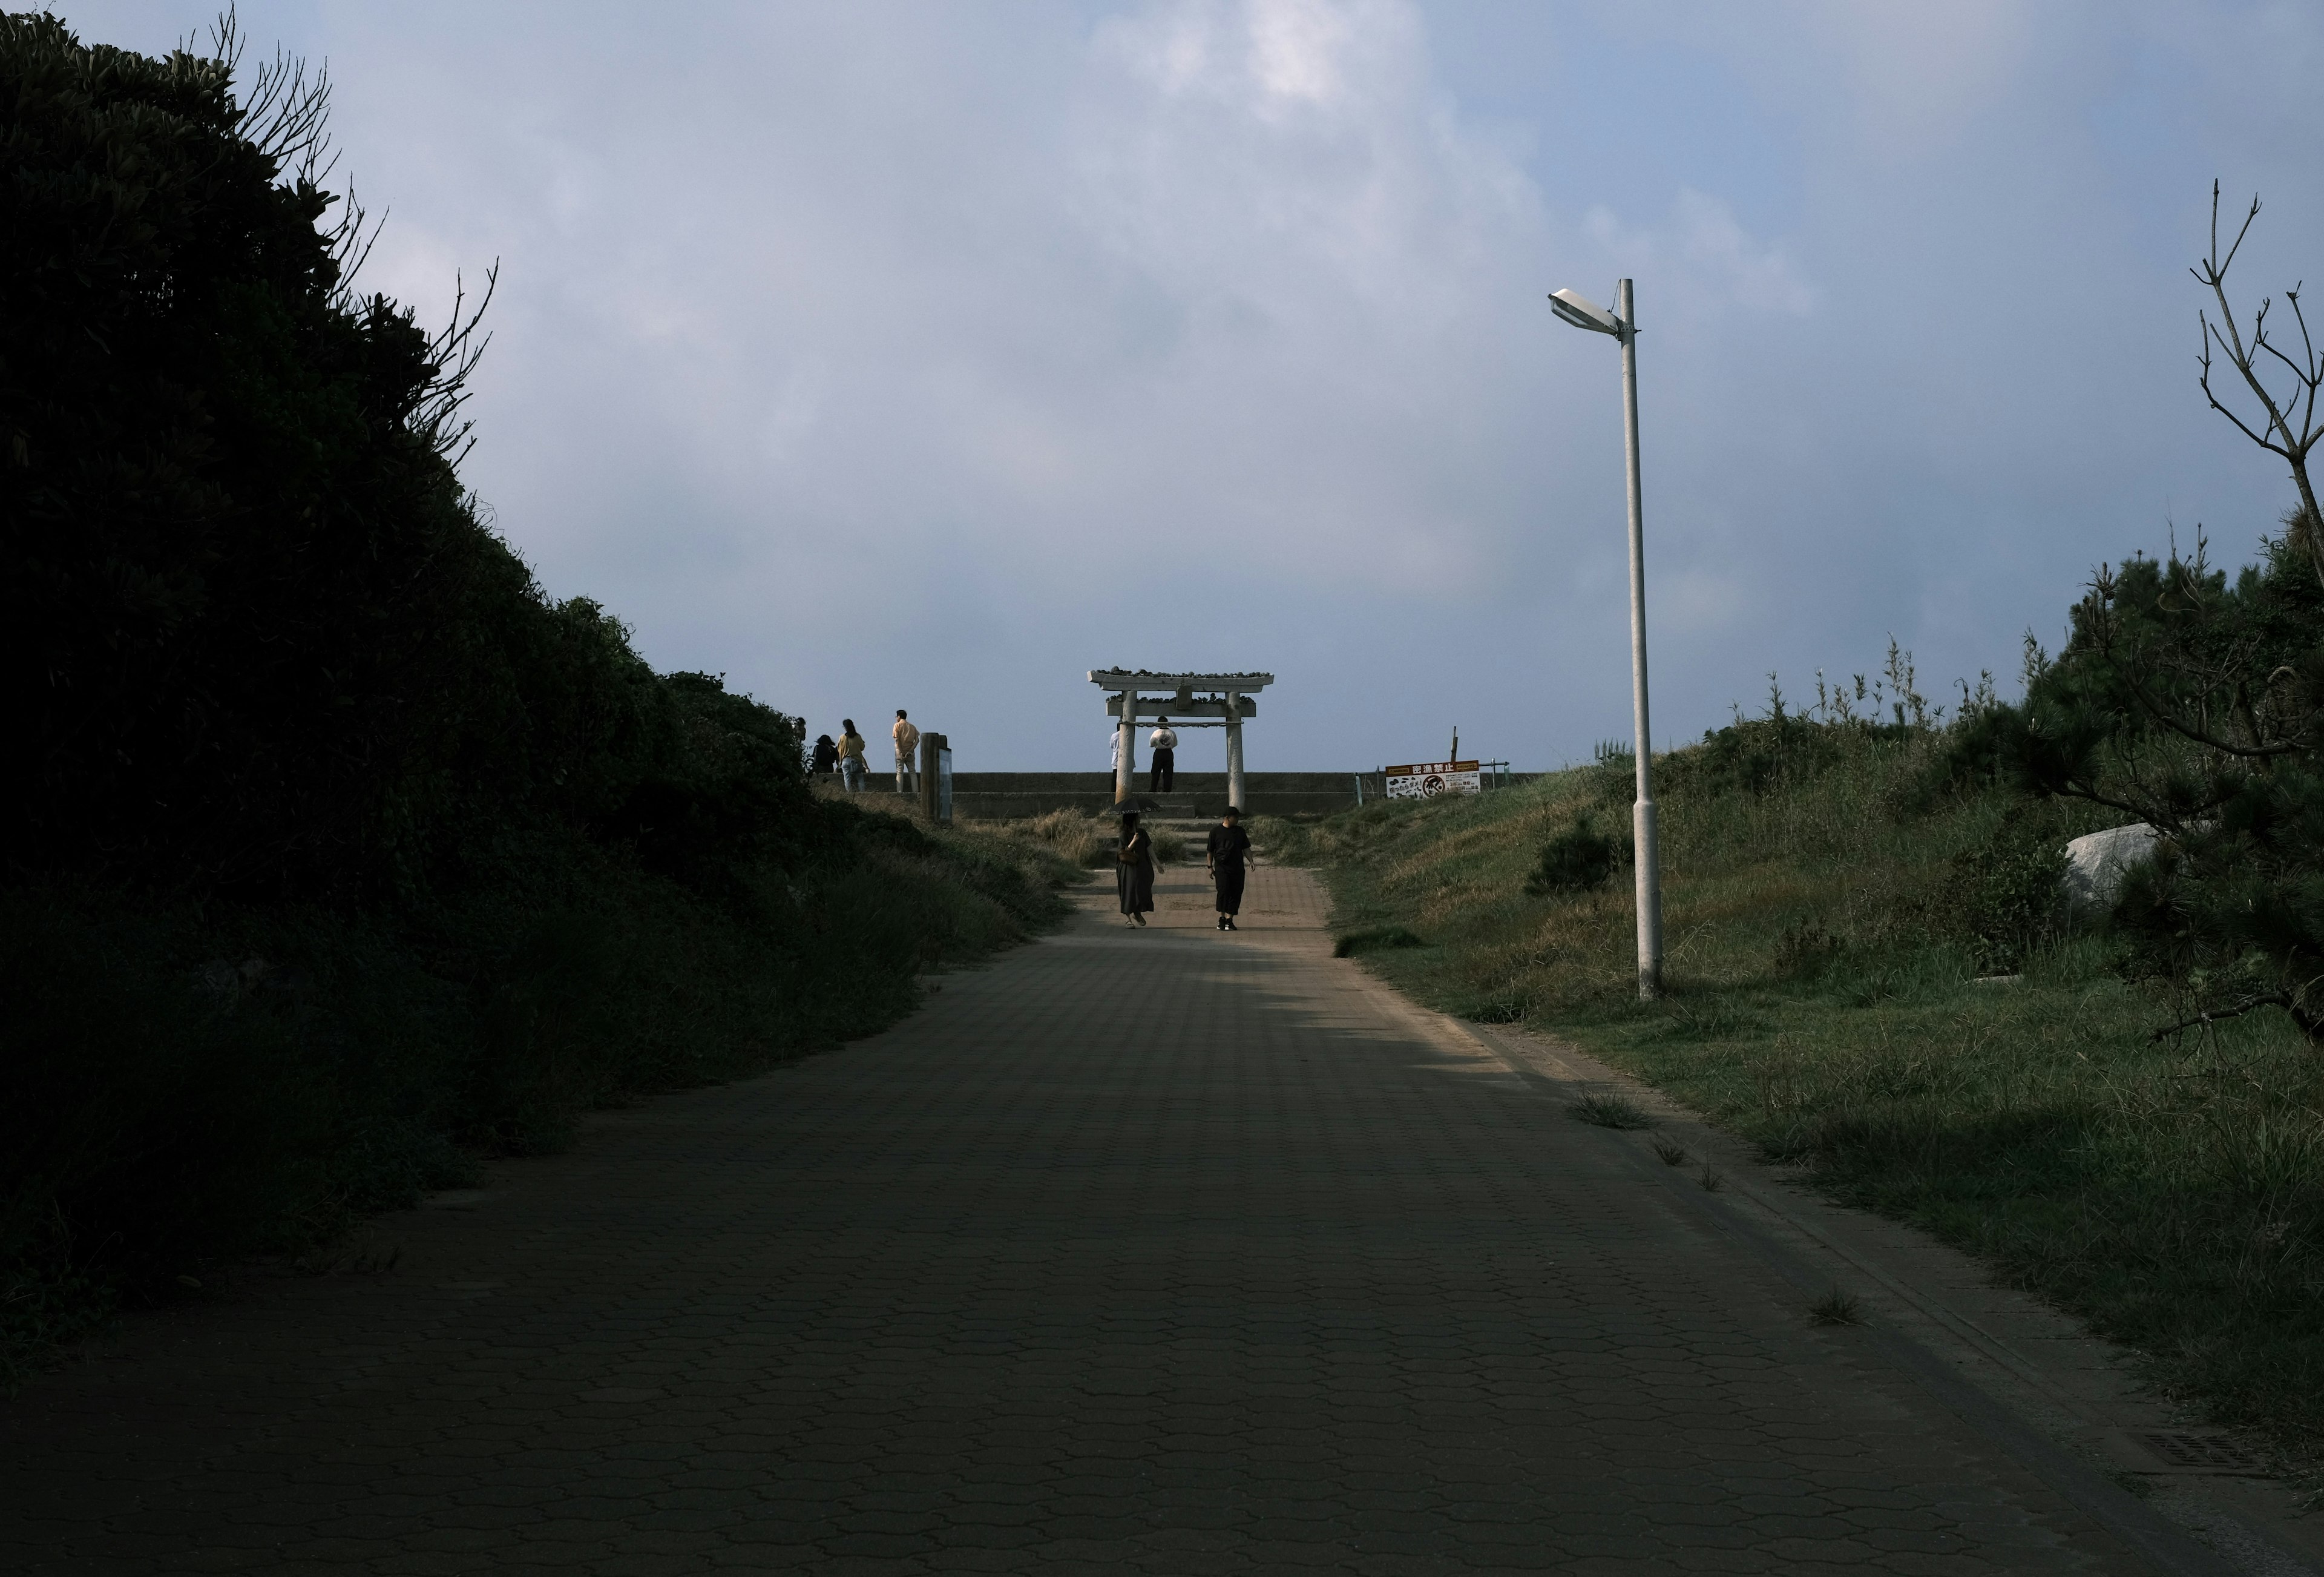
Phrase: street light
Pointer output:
(1571, 307)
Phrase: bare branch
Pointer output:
(460, 349)
(2232, 343)
(2073, 791)
(352, 240)
(2221, 1015)
(226, 39)
(2202, 737)
(2205, 381)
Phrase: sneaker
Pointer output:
(1140, 919)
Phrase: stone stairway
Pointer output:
(1004, 794)
(1192, 817)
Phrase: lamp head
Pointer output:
(1573, 307)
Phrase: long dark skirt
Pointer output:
(1135, 883)
(1230, 883)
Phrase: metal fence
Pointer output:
(1491, 775)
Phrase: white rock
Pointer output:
(2095, 864)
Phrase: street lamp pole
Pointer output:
(1622, 323)
(1648, 860)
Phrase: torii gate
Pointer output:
(1140, 693)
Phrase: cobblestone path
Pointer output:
(1163, 1252)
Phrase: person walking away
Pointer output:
(1163, 775)
(907, 745)
(825, 759)
(1229, 846)
(1133, 872)
(851, 757)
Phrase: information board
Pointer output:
(1427, 780)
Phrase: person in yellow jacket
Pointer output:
(851, 757)
(907, 745)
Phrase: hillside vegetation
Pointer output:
(1871, 972)
(1839, 896)
(340, 854)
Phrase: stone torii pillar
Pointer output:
(1125, 750)
(1234, 750)
(1137, 693)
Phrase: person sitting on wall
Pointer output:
(825, 759)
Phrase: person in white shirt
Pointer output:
(908, 741)
(1164, 773)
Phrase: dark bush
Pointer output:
(1374, 941)
(1579, 858)
(2008, 891)
(2198, 706)
(1757, 755)
(339, 853)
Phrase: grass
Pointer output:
(1087, 840)
(1828, 921)
(1837, 1308)
(1608, 1111)
(1355, 942)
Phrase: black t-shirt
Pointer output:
(1227, 844)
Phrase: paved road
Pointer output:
(1166, 1252)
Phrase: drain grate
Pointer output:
(2212, 1453)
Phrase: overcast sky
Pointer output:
(931, 355)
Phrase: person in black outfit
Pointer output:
(1229, 846)
(825, 759)
(1133, 871)
(1164, 775)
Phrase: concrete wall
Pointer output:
(997, 795)
(994, 796)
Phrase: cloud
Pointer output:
(932, 365)
(1701, 254)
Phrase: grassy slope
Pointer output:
(1824, 1003)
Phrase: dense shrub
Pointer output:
(2007, 890)
(338, 853)
(268, 648)
(1577, 859)
(2198, 706)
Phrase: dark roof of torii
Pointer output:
(1139, 678)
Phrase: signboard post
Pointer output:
(935, 778)
(1428, 779)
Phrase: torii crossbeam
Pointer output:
(1135, 693)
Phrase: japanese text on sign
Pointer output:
(1427, 780)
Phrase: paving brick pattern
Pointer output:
(1163, 1252)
